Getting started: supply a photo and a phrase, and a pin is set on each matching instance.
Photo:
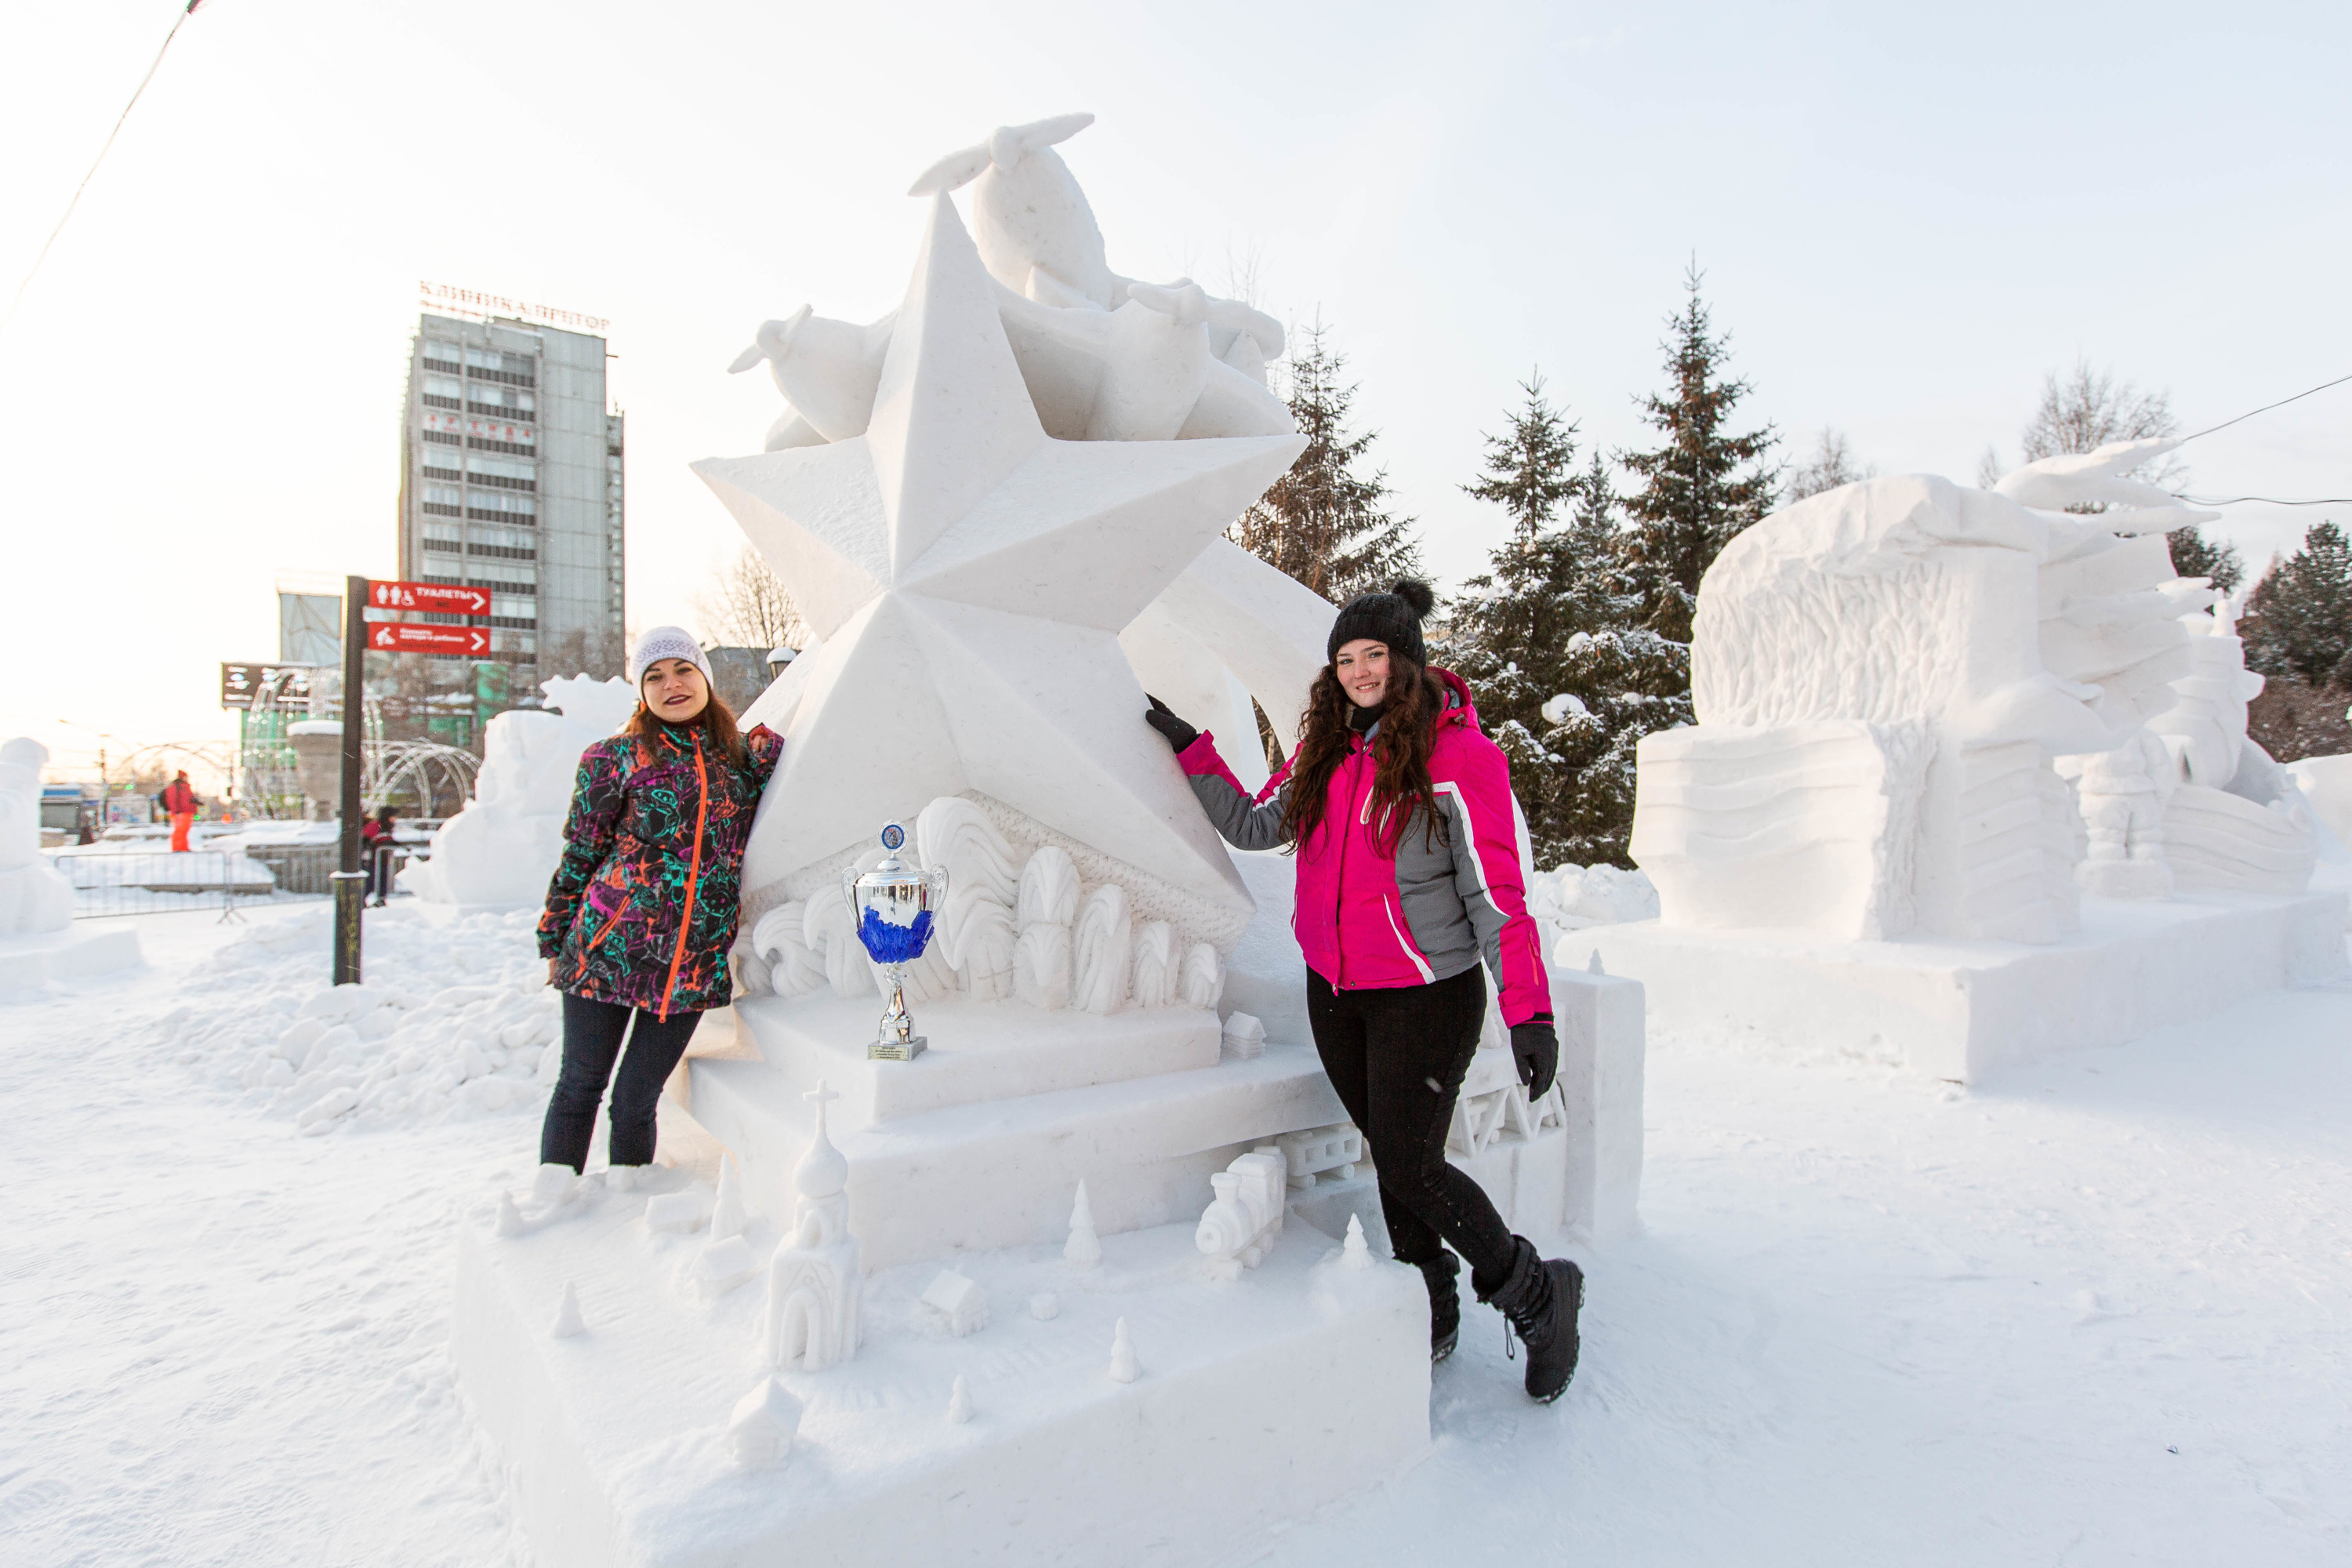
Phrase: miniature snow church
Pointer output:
(813, 1284)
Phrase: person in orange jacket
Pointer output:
(180, 804)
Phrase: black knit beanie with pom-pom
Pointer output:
(1393, 618)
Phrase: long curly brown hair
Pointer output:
(1402, 787)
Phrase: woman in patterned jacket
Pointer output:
(641, 909)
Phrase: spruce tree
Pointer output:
(1702, 485)
(1325, 522)
(2194, 555)
(2298, 621)
(1566, 684)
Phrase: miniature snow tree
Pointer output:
(1084, 1249)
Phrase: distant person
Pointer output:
(1398, 810)
(375, 848)
(642, 905)
(180, 803)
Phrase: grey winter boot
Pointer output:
(1445, 1304)
(1541, 1298)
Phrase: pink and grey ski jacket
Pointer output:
(1369, 919)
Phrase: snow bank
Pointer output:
(408, 1049)
(1573, 897)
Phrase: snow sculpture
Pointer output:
(959, 1403)
(1356, 1254)
(958, 1302)
(568, 1323)
(1242, 1221)
(722, 1265)
(503, 847)
(814, 1287)
(1155, 964)
(1337, 1149)
(968, 565)
(2233, 818)
(1883, 674)
(1084, 1249)
(34, 895)
(1041, 954)
(2121, 795)
(1244, 1036)
(1200, 983)
(1103, 945)
(727, 1216)
(976, 928)
(1123, 1367)
(760, 1430)
(681, 1213)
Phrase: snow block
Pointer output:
(1002, 1172)
(29, 962)
(1958, 1008)
(1257, 1404)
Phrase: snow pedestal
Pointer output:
(1956, 1008)
(1256, 1401)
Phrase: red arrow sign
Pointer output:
(448, 599)
(399, 637)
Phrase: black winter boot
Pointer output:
(1541, 1298)
(1444, 1305)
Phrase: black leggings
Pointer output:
(1397, 1057)
(591, 1038)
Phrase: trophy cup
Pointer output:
(893, 905)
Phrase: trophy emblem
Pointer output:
(893, 904)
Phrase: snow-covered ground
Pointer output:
(2094, 1312)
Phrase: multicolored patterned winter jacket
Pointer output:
(1371, 917)
(642, 908)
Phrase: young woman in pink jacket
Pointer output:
(1399, 811)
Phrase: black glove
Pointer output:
(1174, 731)
(1538, 1050)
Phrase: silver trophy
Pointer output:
(893, 905)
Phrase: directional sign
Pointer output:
(399, 637)
(448, 599)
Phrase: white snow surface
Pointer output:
(2089, 1313)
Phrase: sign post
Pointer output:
(351, 882)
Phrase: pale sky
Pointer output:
(1907, 216)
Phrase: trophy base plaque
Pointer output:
(888, 1050)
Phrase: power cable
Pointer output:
(2265, 408)
(187, 11)
(2266, 500)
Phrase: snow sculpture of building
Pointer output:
(503, 847)
(1883, 674)
(814, 1285)
(34, 895)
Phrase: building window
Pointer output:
(443, 499)
(442, 437)
(450, 544)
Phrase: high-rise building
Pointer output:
(511, 482)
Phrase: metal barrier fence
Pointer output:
(135, 881)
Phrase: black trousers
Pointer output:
(592, 1039)
(1397, 1057)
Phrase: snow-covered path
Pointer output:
(2096, 1312)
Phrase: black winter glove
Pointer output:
(1538, 1050)
(1174, 731)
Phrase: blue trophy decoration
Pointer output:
(893, 904)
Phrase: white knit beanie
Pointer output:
(667, 642)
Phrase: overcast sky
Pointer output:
(1905, 215)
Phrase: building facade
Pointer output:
(511, 482)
